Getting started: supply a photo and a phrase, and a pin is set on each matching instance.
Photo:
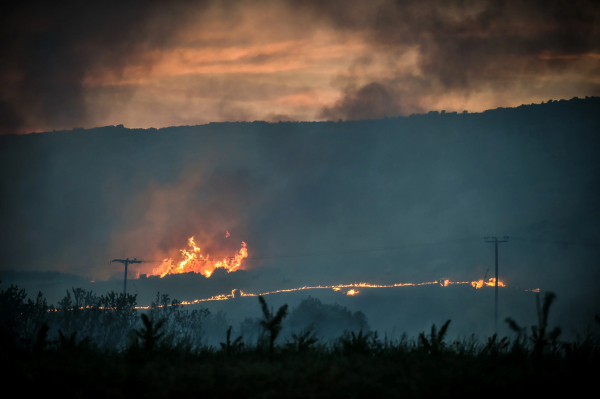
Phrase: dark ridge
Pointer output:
(551, 108)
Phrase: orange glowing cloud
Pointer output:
(316, 61)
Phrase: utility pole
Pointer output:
(126, 262)
(495, 240)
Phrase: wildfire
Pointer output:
(490, 283)
(339, 287)
(194, 261)
(351, 292)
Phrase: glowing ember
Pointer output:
(194, 261)
(352, 292)
(490, 283)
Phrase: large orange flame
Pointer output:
(194, 261)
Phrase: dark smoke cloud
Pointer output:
(373, 100)
(465, 46)
(47, 49)
(50, 53)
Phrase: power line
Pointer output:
(338, 252)
(217, 258)
(558, 242)
(349, 251)
(373, 249)
(126, 262)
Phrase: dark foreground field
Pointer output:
(380, 371)
(90, 346)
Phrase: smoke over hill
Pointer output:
(431, 186)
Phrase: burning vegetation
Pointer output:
(490, 283)
(347, 289)
(194, 261)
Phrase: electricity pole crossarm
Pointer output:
(496, 241)
(126, 262)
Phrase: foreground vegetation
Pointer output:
(99, 346)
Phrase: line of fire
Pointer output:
(194, 264)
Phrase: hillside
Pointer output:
(432, 185)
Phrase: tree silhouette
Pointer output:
(435, 343)
(355, 343)
(230, 347)
(304, 340)
(149, 334)
(270, 323)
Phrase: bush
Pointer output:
(327, 321)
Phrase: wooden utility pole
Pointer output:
(126, 262)
(495, 240)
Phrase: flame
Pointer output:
(194, 261)
(477, 284)
(490, 283)
(338, 287)
(227, 234)
(235, 293)
(351, 292)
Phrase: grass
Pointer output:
(155, 363)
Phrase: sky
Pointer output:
(156, 64)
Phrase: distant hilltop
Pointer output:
(575, 104)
